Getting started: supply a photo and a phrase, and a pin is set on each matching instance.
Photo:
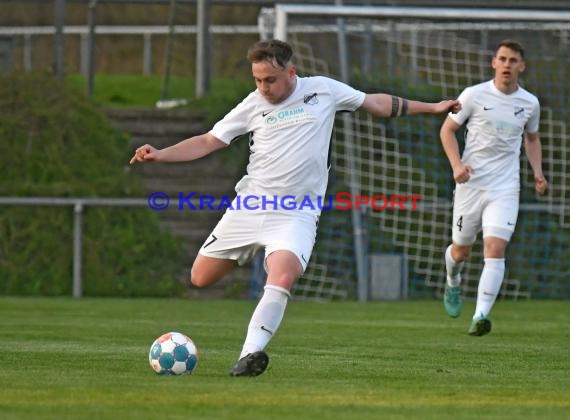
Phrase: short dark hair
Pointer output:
(276, 51)
(512, 45)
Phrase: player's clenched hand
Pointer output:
(450, 105)
(145, 153)
(540, 183)
(462, 173)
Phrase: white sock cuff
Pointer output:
(494, 261)
(448, 254)
(278, 289)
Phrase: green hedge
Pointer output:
(56, 143)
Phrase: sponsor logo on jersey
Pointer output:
(271, 120)
(289, 113)
(287, 117)
(507, 129)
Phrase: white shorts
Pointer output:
(493, 211)
(241, 233)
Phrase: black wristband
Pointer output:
(404, 107)
(395, 106)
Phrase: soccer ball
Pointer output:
(173, 353)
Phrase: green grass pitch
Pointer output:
(88, 359)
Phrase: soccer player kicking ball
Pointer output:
(290, 121)
(498, 113)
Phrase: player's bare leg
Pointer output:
(460, 252)
(207, 270)
(283, 270)
(494, 247)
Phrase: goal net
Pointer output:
(427, 58)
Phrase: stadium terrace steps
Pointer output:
(173, 185)
(207, 166)
(157, 122)
(210, 175)
(159, 141)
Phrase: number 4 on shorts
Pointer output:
(459, 223)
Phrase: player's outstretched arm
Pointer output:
(383, 105)
(533, 151)
(189, 149)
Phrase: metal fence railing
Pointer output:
(78, 205)
(147, 32)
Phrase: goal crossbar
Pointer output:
(283, 11)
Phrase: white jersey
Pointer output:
(496, 123)
(289, 141)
